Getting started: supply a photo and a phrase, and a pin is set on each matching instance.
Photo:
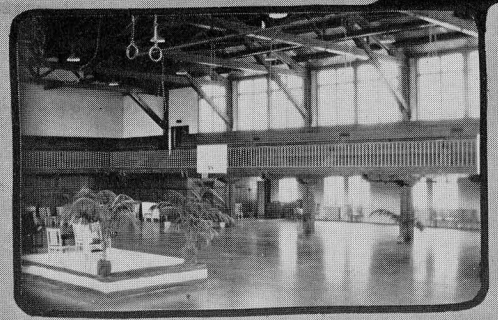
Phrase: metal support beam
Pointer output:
(165, 111)
(307, 98)
(284, 57)
(216, 62)
(444, 20)
(145, 107)
(230, 102)
(282, 86)
(273, 34)
(311, 43)
(403, 105)
(196, 85)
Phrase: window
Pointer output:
(441, 89)
(333, 191)
(284, 113)
(209, 120)
(419, 194)
(262, 106)
(253, 104)
(359, 192)
(376, 102)
(287, 190)
(336, 96)
(445, 191)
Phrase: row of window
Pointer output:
(447, 87)
(445, 192)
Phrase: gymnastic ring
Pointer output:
(151, 52)
(132, 47)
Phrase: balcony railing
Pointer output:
(441, 154)
(432, 153)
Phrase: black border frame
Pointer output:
(479, 11)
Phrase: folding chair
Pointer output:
(54, 241)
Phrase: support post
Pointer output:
(261, 200)
(309, 206)
(407, 214)
(307, 98)
(430, 201)
(166, 128)
(230, 196)
(347, 206)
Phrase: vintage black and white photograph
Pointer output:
(270, 159)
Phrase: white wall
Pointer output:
(183, 104)
(70, 112)
(91, 113)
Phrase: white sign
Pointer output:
(212, 158)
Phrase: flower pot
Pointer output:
(103, 268)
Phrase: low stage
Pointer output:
(132, 271)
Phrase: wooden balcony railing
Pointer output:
(446, 154)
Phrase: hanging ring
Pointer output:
(132, 51)
(154, 49)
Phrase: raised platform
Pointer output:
(132, 271)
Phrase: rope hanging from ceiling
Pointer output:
(132, 49)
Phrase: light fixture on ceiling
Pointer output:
(73, 57)
(156, 38)
(387, 39)
(277, 15)
(52, 59)
(113, 83)
(181, 72)
(270, 57)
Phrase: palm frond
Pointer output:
(386, 213)
(83, 208)
(85, 193)
(105, 197)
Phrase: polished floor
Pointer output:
(270, 263)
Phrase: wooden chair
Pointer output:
(88, 237)
(238, 211)
(54, 241)
(148, 212)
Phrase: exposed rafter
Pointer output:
(444, 20)
(300, 108)
(284, 57)
(274, 34)
(403, 105)
(196, 85)
(147, 109)
(216, 62)
(376, 31)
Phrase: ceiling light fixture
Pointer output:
(182, 72)
(277, 15)
(73, 57)
(113, 84)
(156, 38)
(271, 57)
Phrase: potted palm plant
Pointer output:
(111, 211)
(397, 219)
(195, 217)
